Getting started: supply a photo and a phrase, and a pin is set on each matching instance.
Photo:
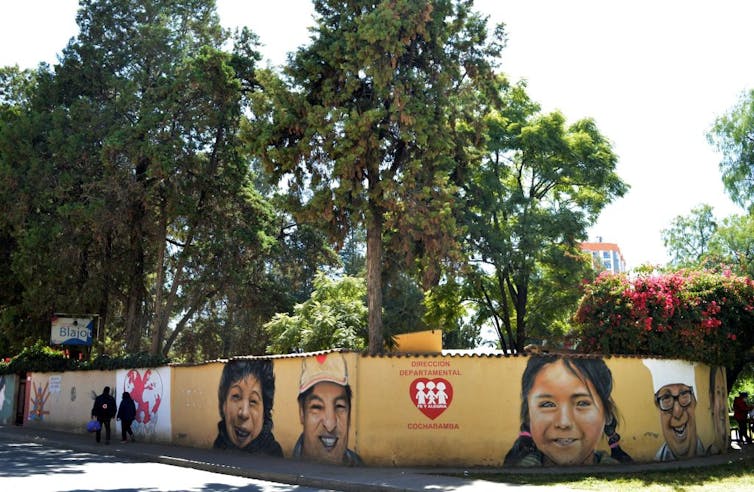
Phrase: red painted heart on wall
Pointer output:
(431, 396)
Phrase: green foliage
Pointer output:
(735, 244)
(403, 308)
(40, 357)
(690, 239)
(334, 317)
(446, 308)
(529, 202)
(691, 315)
(744, 382)
(141, 359)
(733, 135)
(125, 192)
(367, 128)
(700, 241)
(555, 290)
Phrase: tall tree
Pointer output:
(735, 240)
(129, 173)
(691, 238)
(733, 135)
(361, 126)
(529, 204)
(16, 88)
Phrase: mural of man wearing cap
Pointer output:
(324, 403)
(673, 383)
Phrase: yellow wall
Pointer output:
(428, 341)
(639, 424)
(285, 416)
(476, 427)
(64, 400)
(481, 420)
(194, 408)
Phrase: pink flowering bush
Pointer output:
(701, 316)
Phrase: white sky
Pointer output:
(653, 74)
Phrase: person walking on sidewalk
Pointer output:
(126, 415)
(741, 409)
(104, 411)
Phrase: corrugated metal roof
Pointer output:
(474, 353)
(272, 356)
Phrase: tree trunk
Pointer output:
(157, 325)
(164, 303)
(104, 307)
(135, 296)
(502, 279)
(520, 305)
(732, 373)
(374, 280)
(137, 213)
(198, 302)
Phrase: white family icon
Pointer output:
(434, 396)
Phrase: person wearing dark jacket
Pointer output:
(104, 411)
(741, 409)
(126, 415)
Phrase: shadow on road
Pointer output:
(24, 460)
(28, 459)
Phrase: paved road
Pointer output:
(35, 467)
(73, 454)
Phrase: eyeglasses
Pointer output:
(666, 400)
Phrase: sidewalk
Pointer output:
(325, 476)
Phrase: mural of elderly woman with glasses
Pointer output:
(673, 383)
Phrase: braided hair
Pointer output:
(586, 369)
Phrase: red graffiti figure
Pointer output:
(145, 391)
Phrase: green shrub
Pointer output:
(42, 358)
(700, 316)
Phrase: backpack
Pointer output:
(102, 407)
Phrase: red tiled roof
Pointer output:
(600, 247)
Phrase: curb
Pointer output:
(343, 478)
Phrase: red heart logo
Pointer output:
(431, 396)
(321, 358)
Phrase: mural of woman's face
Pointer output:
(679, 422)
(243, 411)
(566, 419)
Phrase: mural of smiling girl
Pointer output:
(566, 407)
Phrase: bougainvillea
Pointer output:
(702, 316)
